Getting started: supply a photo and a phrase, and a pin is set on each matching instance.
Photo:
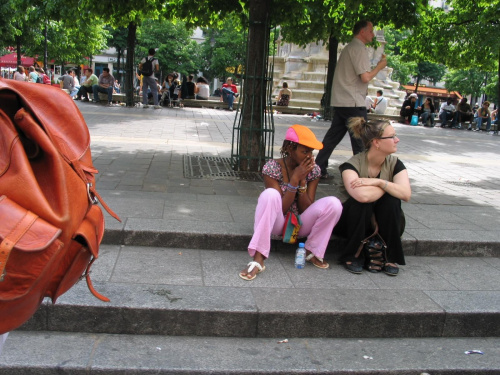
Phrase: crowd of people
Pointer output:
(451, 115)
(171, 92)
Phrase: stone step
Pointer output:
(80, 353)
(317, 86)
(182, 292)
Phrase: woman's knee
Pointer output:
(332, 205)
(270, 195)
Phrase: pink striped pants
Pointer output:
(318, 221)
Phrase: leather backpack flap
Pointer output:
(57, 114)
(29, 247)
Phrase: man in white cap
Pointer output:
(409, 107)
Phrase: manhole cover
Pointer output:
(215, 168)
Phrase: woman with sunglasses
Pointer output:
(376, 182)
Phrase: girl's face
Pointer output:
(301, 153)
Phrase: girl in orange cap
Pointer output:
(291, 183)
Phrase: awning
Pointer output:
(10, 61)
(433, 92)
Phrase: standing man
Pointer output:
(350, 85)
(105, 85)
(148, 67)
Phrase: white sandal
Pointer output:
(251, 266)
(323, 266)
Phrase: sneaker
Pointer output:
(77, 98)
(110, 104)
(85, 100)
(236, 95)
(145, 106)
(231, 109)
(157, 107)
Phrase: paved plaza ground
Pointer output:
(171, 266)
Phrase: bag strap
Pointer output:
(374, 234)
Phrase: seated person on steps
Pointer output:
(409, 108)
(284, 96)
(463, 113)
(376, 182)
(105, 85)
(202, 89)
(229, 92)
(291, 183)
(446, 112)
(87, 84)
(427, 112)
(380, 104)
(484, 116)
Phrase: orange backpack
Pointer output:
(50, 224)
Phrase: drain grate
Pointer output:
(215, 168)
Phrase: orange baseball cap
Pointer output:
(303, 135)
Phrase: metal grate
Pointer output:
(215, 168)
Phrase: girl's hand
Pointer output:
(304, 168)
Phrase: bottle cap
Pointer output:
(301, 244)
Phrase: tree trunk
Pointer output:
(254, 96)
(18, 50)
(498, 84)
(118, 65)
(333, 45)
(45, 48)
(129, 65)
(417, 83)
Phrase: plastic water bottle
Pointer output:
(300, 256)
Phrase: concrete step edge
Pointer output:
(75, 353)
(192, 310)
(229, 237)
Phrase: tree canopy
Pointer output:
(465, 36)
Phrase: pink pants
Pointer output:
(318, 221)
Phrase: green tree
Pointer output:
(16, 26)
(224, 47)
(333, 20)
(118, 40)
(466, 81)
(176, 51)
(463, 37)
(130, 14)
(402, 69)
(429, 71)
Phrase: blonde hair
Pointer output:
(367, 131)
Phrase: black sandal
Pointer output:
(374, 255)
(391, 269)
